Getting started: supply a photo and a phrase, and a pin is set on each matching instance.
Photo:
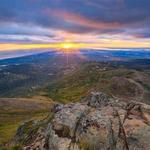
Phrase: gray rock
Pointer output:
(57, 107)
(98, 99)
(78, 126)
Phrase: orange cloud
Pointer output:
(58, 46)
(10, 46)
(83, 21)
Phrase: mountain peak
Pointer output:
(98, 123)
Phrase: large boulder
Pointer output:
(83, 126)
(98, 99)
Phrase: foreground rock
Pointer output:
(96, 124)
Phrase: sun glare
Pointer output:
(67, 45)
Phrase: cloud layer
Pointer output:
(43, 21)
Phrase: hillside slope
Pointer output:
(122, 83)
(93, 124)
(14, 111)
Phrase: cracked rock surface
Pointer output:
(96, 124)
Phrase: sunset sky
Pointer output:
(36, 24)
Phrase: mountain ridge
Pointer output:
(95, 123)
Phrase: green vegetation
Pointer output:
(89, 77)
(9, 122)
(50, 77)
(90, 145)
(118, 82)
(13, 112)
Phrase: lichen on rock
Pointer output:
(95, 124)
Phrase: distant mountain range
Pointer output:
(54, 74)
(114, 54)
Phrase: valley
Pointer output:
(30, 85)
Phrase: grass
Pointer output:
(94, 144)
(70, 88)
(13, 112)
(10, 121)
(78, 84)
(7, 130)
(90, 76)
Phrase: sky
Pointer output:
(37, 24)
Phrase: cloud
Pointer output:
(43, 20)
(83, 21)
(25, 38)
(24, 28)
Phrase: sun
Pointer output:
(67, 45)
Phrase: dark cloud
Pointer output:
(98, 16)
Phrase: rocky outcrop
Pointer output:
(98, 99)
(125, 88)
(133, 109)
(96, 124)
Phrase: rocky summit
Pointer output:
(97, 123)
